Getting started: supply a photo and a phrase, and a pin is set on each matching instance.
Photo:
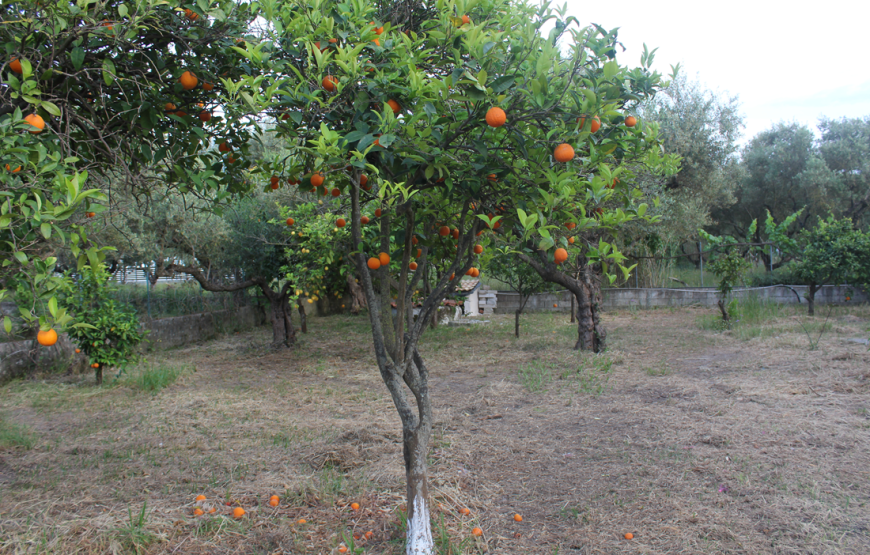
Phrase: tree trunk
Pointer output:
(585, 285)
(416, 451)
(98, 374)
(573, 312)
(811, 299)
(517, 323)
(723, 310)
(303, 319)
(283, 332)
(357, 297)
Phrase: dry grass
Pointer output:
(694, 440)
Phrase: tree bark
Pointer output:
(303, 318)
(585, 285)
(357, 297)
(283, 332)
(98, 374)
(811, 299)
(723, 310)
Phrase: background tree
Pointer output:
(845, 148)
(521, 278)
(832, 252)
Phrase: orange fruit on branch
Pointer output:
(329, 82)
(363, 180)
(378, 213)
(563, 153)
(340, 222)
(444, 231)
(495, 117)
(570, 225)
(384, 258)
(9, 169)
(374, 263)
(560, 256)
(207, 87)
(336, 192)
(317, 179)
(395, 106)
(205, 116)
(169, 107)
(15, 65)
(466, 19)
(412, 265)
(478, 249)
(290, 221)
(224, 147)
(630, 121)
(188, 80)
(455, 233)
(37, 122)
(364, 220)
(46, 338)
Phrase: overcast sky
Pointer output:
(786, 61)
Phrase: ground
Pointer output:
(693, 439)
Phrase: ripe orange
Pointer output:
(453, 275)
(238, 512)
(495, 117)
(384, 258)
(207, 86)
(37, 122)
(355, 506)
(563, 153)
(466, 19)
(570, 225)
(518, 517)
(224, 147)
(561, 255)
(90, 214)
(477, 531)
(290, 221)
(595, 125)
(301, 521)
(478, 249)
(465, 511)
(95, 365)
(444, 231)
(205, 116)
(571, 240)
(200, 497)
(169, 107)
(273, 181)
(378, 213)
(212, 510)
(369, 534)
(340, 222)
(492, 177)
(629, 536)
(317, 179)
(554, 306)
(274, 501)
(363, 180)
(630, 121)
(46, 338)
(333, 41)
(420, 253)
(469, 272)
(190, 14)
(15, 65)
(455, 233)
(231, 159)
(188, 80)
(395, 106)
(377, 42)
(412, 265)
(374, 263)
(329, 83)
(9, 169)
(78, 350)
(342, 549)
(198, 512)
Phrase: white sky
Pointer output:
(786, 61)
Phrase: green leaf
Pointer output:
(45, 229)
(52, 306)
(611, 68)
(7, 324)
(503, 83)
(108, 71)
(20, 256)
(51, 108)
(546, 243)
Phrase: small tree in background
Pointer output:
(730, 268)
(108, 331)
(521, 277)
(832, 252)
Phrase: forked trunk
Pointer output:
(283, 332)
(357, 297)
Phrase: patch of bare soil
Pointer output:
(694, 441)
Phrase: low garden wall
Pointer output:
(508, 302)
(17, 358)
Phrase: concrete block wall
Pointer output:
(17, 358)
(508, 301)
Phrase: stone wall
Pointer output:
(17, 358)
(508, 302)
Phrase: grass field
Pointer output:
(693, 438)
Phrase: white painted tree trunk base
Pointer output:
(420, 530)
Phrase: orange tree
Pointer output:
(455, 113)
(116, 95)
